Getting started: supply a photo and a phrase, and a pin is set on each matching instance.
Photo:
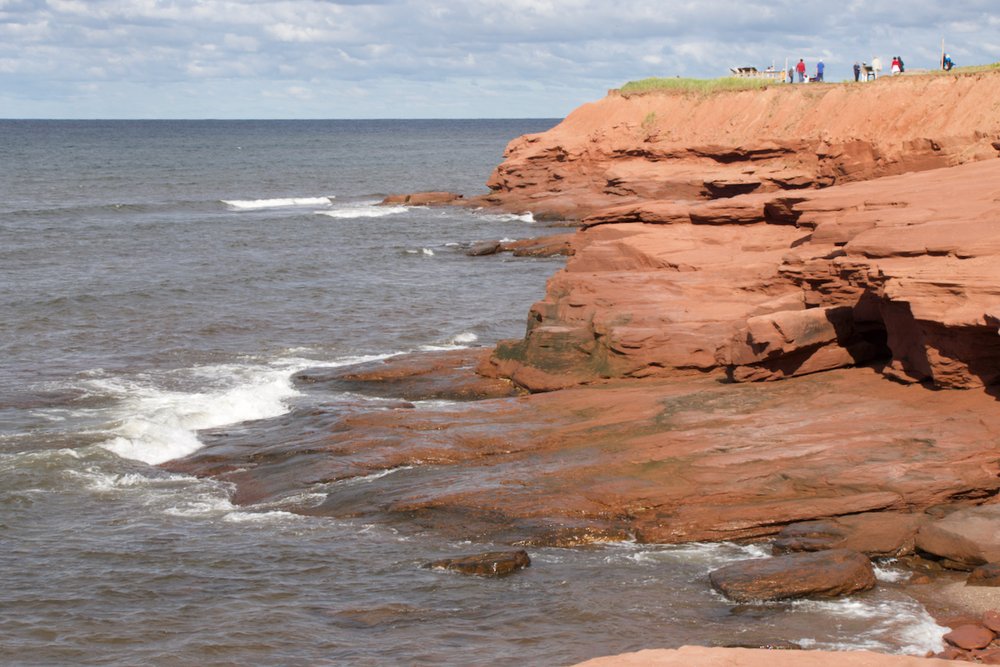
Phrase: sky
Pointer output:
(435, 58)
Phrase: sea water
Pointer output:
(158, 278)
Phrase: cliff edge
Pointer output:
(763, 234)
(674, 145)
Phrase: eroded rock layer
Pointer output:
(900, 270)
(623, 149)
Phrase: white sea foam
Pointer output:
(156, 425)
(427, 252)
(260, 517)
(256, 204)
(464, 339)
(708, 555)
(175, 495)
(889, 575)
(12, 460)
(899, 625)
(507, 217)
(367, 210)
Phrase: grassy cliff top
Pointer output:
(727, 83)
(693, 85)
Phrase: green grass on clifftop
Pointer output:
(692, 85)
(708, 86)
(976, 68)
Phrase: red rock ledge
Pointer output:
(696, 656)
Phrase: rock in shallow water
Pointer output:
(822, 574)
(970, 636)
(490, 564)
(985, 575)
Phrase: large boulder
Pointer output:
(970, 636)
(875, 534)
(821, 574)
(968, 537)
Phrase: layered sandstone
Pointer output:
(623, 149)
(866, 298)
(897, 270)
(658, 460)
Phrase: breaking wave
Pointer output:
(255, 204)
(367, 210)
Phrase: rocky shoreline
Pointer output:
(753, 339)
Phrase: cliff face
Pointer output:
(681, 275)
(692, 146)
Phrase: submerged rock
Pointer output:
(421, 199)
(822, 574)
(446, 375)
(482, 248)
(489, 564)
(985, 575)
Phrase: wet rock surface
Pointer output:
(556, 245)
(662, 461)
(882, 534)
(823, 574)
(422, 199)
(489, 564)
(414, 377)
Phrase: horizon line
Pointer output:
(62, 118)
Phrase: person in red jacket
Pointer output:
(801, 69)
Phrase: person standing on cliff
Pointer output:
(819, 70)
(857, 72)
(801, 69)
(894, 66)
(876, 66)
(791, 75)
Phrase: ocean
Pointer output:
(162, 278)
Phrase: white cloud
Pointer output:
(240, 42)
(558, 52)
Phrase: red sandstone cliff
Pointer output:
(695, 146)
(758, 233)
(899, 273)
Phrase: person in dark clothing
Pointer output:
(819, 70)
(902, 67)
(857, 72)
(947, 63)
(791, 75)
